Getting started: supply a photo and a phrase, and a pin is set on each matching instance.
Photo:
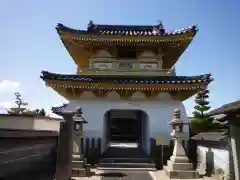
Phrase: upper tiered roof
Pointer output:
(127, 30)
(81, 44)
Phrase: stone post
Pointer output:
(78, 161)
(178, 166)
(65, 145)
(77, 134)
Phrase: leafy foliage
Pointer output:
(42, 112)
(20, 103)
(21, 110)
(201, 120)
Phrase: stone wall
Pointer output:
(23, 150)
(23, 122)
(214, 160)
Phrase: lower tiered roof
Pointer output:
(73, 86)
(206, 78)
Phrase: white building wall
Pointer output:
(159, 112)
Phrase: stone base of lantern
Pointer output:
(79, 172)
(180, 170)
(78, 166)
(179, 166)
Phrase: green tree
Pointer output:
(42, 112)
(201, 120)
(20, 103)
(37, 111)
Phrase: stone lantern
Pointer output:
(179, 166)
(78, 162)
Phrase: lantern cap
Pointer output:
(78, 116)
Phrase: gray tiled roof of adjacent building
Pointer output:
(210, 136)
(227, 108)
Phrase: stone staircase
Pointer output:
(126, 158)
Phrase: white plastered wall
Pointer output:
(159, 111)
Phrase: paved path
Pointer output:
(126, 175)
(161, 175)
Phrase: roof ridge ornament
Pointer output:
(91, 26)
(159, 29)
(160, 24)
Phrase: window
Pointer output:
(102, 66)
(125, 65)
(126, 52)
(148, 66)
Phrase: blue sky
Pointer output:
(30, 44)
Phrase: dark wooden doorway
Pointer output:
(125, 129)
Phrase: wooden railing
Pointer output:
(91, 149)
(117, 71)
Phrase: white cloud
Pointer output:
(6, 94)
(6, 85)
(5, 106)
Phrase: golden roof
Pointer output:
(81, 44)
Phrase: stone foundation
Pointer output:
(181, 173)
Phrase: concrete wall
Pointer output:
(29, 123)
(159, 112)
(16, 122)
(46, 124)
(220, 156)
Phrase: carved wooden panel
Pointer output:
(125, 65)
(148, 66)
(102, 66)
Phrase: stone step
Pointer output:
(79, 172)
(127, 165)
(181, 174)
(77, 157)
(77, 164)
(126, 160)
(124, 169)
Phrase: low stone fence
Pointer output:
(215, 161)
(91, 149)
(161, 153)
(25, 150)
(214, 155)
